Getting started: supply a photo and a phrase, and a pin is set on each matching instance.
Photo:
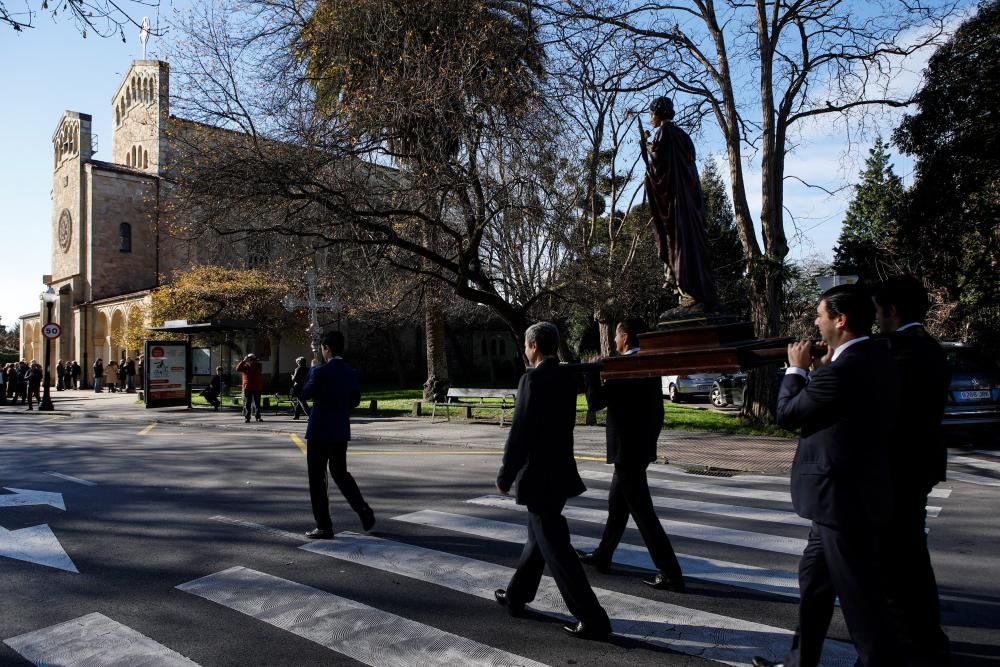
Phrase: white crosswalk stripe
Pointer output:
(366, 634)
(792, 546)
(670, 471)
(719, 509)
(968, 478)
(683, 629)
(761, 579)
(972, 462)
(714, 489)
(93, 640)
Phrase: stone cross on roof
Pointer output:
(313, 305)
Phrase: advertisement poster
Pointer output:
(167, 365)
(201, 361)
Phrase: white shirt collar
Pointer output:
(844, 346)
(908, 325)
(631, 350)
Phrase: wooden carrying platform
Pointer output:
(726, 348)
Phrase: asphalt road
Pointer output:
(186, 546)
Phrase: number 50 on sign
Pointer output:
(51, 331)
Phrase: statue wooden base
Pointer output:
(696, 346)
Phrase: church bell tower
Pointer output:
(141, 108)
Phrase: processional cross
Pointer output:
(314, 305)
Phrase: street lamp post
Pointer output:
(49, 296)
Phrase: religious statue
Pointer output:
(673, 188)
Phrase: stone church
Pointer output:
(111, 246)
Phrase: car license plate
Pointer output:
(973, 395)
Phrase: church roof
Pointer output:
(111, 166)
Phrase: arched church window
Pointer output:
(145, 159)
(125, 237)
(118, 117)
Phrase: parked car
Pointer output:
(974, 392)
(728, 388)
(683, 387)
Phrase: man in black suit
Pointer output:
(539, 458)
(840, 478)
(919, 461)
(635, 418)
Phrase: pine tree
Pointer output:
(867, 242)
(951, 223)
(724, 246)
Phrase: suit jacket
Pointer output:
(539, 451)
(635, 417)
(919, 456)
(334, 390)
(840, 475)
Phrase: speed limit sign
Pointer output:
(51, 331)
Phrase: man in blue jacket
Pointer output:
(333, 388)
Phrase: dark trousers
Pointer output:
(629, 495)
(301, 407)
(32, 394)
(251, 399)
(913, 591)
(319, 456)
(845, 564)
(212, 397)
(548, 544)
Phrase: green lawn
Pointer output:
(399, 402)
(678, 417)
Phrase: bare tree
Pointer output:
(266, 151)
(592, 72)
(759, 69)
(104, 18)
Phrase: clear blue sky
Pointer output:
(52, 68)
(44, 71)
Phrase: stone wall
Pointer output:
(118, 198)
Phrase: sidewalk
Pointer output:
(707, 452)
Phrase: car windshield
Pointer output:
(965, 360)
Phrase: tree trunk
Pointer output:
(436, 386)
(603, 329)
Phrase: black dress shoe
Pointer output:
(320, 534)
(585, 631)
(662, 582)
(513, 608)
(602, 565)
(758, 661)
(367, 518)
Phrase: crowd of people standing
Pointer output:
(21, 381)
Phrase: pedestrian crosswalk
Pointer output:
(350, 628)
(756, 530)
(93, 639)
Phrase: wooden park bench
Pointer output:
(456, 394)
